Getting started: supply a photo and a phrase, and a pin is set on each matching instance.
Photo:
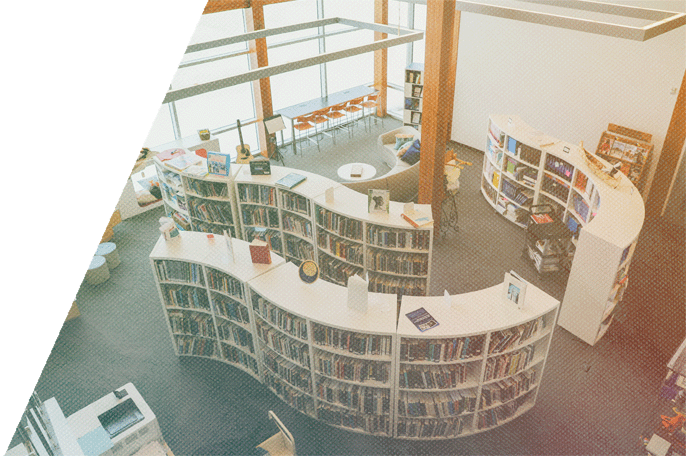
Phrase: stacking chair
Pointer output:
(305, 128)
(369, 106)
(354, 111)
(321, 119)
(336, 115)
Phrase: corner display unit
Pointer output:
(414, 95)
(355, 365)
(522, 167)
(632, 149)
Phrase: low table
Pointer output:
(368, 171)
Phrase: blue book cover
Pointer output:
(218, 164)
(291, 180)
(422, 319)
(512, 145)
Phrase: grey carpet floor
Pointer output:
(593, 400)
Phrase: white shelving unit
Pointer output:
(551, 171)
(354, 369)
(414, 95)
(204, 297)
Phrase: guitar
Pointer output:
(243, 150)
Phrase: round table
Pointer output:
(368, 171)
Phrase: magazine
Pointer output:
(422, 319)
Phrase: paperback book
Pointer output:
(422, 319)
(218, 164)
(291, 180)
(182, 162)
(416, 218)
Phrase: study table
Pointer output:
(315, 104)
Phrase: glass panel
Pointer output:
(352, 71)
(228, 141)
(161, 131)
(419, 24)
(361, 10)
(217, 26)
(395, 100)
(294, 87)
(289, 13)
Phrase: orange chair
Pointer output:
(369, 105)
(321, 118)
(354, 111)
(335, 114)
(305, 128)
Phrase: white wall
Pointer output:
(565, 83)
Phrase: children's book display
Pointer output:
(218, 163)
(630, 150)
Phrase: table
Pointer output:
(310, 106)
(368, 171)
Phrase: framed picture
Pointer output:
(218, 164)
(379, 200)
(514, 289)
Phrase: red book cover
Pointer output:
(259, 252)
(542, 218)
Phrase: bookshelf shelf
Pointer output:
(341, 365)
(414, 93)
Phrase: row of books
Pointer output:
(179, 271)
(296, 399)
(580, 206)
(507, 389)
(208, 227)
(196, 346)
(271, 237)
(555, 187)
(496, 134)
(583, 184)
(439, 405)
(559, 167)
(509, 363)
(191, 323)
(236, 356)
(354, 370)
(208, 189)
(440, 377)
(413, 77)
(230, 309)
(371, 424)
(284, 345)
(341, 248)
(287, 322)
(343, 226)
(495, 154)
(353, 342)
(297, 225)
(520, 195)
(257, 194)
(210, 211)
(490, 191)
(236, 335)
(400, 239)
(185, 296)
(398, 263)
(225, 283)
(295, 203)
(287, 371)
(521, 173)
(371, 401)
(337, 271)
(299, 248)
(426, 428)
(441, 350)
(508, 338)
(260, 216)
(171, 179)
(398, 285)
(492, 417)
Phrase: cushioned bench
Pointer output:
(403, 179)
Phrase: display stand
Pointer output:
(272, 125)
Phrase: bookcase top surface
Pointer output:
(476, 312)
(203, 162)
(325, 302)
(515, 127)
(310, 187)
(415, 66)
(195, 247)
(353, 204)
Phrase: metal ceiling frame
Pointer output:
(662, 21)
(399, 36)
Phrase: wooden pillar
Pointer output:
(254, 19)
(439, 93)
(666, 168)
(453, 72)
(381, 58)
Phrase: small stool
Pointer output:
(98, 272)
(109, 251)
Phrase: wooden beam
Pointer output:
(437, 102)
(217, 6)
(381, 58)
(669, 157)
(254, 19)
(453, 72)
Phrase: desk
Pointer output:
(307, 107)
(368, 171)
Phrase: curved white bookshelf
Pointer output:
(365, 371)
(609, 217)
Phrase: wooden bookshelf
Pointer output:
(606, 218)
(362, 370)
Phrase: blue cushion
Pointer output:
(412, 154)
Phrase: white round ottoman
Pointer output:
(98, 272)
(109, 251)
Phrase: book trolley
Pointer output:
(366, 370)
(522, 167)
